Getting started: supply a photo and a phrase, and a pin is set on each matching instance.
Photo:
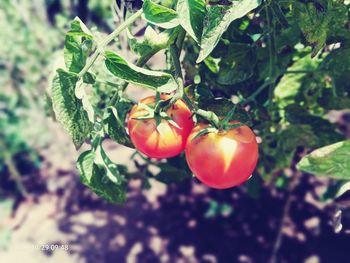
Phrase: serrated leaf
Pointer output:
(291, 84)
(101, 175)
(337, 64)
(89, 78)
(85, 165)
(159, 15)
(80, 93)
(78, 28)
(110, 168)
(157, 80)
(114, 122)
(322, 128)
(69, 110)
(191, 15)
(238, 65)
(77, 47)
(331, 161)
(279, 147)
(313, 23)
(218, 19)
(320, 20)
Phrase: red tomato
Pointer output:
(222, 159)
(163, 141)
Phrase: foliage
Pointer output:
(21, 79)
(30, 35)
(328, 161)
(279, 66)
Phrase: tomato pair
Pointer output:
(221, 159)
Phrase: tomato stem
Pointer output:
(175, 51)
(108, 39)
(210, 116)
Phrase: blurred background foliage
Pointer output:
(305, 114)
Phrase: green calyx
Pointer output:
(157, 112)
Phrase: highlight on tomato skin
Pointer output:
(222, 159)
(166, 140)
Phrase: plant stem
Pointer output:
(174, 52)
(180, 40)
(257, 92)
(14, 173)
(210, 116)
(286, 208)
(89, 63)
(108, 39)
(272, 58)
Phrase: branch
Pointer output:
(287, 205)
(14, 173)
(108, 39)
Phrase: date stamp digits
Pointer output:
(52, 247)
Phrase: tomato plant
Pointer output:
(278, 67)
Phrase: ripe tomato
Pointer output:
(163, 141)
(222, 159)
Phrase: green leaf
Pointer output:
(69, 110)
(119, 67)
(238, 65)
(279, 147)
(85, 165)
(77, 47)
(101, 175)
(338, 29)
(81, 93)
(171, 174)
(313, 23)
(218, 19)
(78, 28)
(337, 64)
(89, 78)
(212, 64)
(331, 161)
(160, 15)
(221, 106)
(277, 11)
(191, 15)
(152, 42)
(114, 122)
(320, 20)
(291, 84)
(111, 170)
(322, 128)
